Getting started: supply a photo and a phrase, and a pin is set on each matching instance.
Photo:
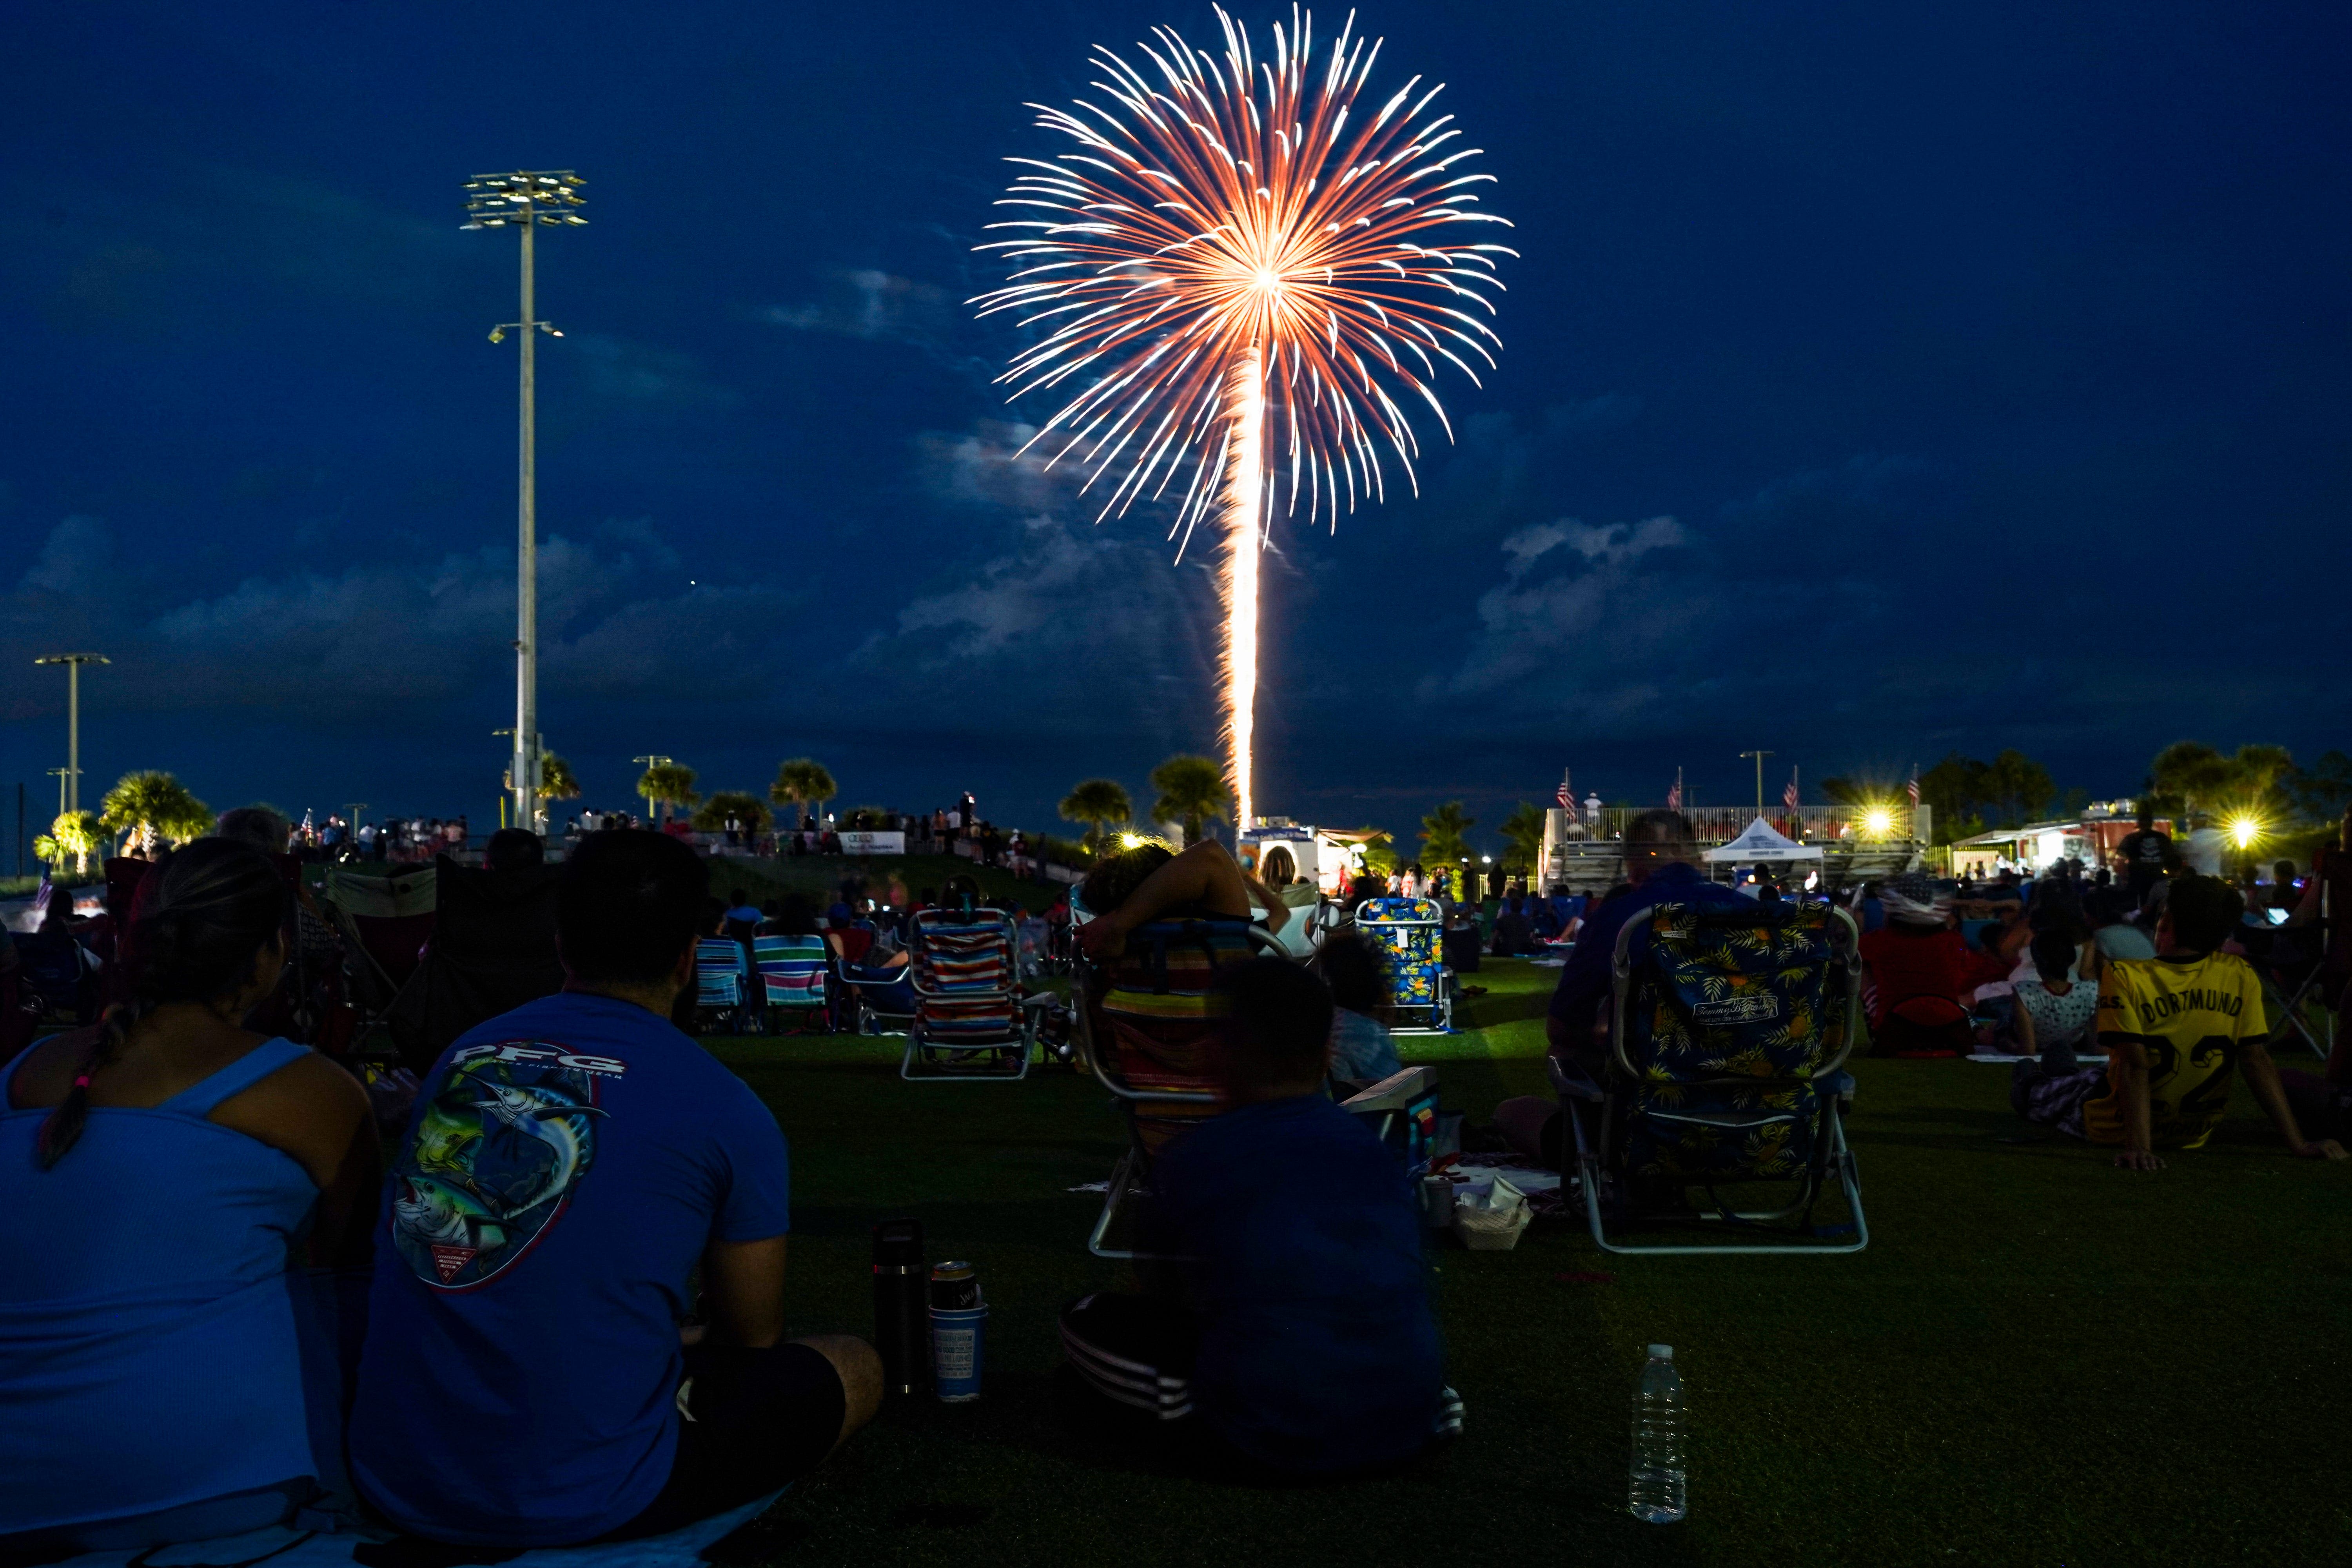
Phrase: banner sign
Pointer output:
(860, 842)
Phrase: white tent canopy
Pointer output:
(1760, 845)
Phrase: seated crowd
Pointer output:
(554, 1312)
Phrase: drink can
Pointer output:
(955, 1286)
(958, 1319)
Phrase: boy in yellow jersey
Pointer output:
(2175, 1027)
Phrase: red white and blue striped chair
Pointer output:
(969, 1022)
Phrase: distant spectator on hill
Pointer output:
(2144, 854)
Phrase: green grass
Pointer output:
(2038, 1359)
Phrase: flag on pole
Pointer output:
(1915, 792)
(1789, 795)
(1674, 796)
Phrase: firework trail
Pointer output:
(1239, 280)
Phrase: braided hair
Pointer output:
(196, 933)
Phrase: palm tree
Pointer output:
(745, 807)
(668, 784)
(76, 833)
(556, 779)
(1192, 792)
(1441, 835)
(1379, 855)
(802, 782)
(1523, 829)
(150, 806)
(1101, 802)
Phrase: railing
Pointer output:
(1807, 824)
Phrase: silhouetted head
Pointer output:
(512, 847)
(630, 902)
(1276, 1029)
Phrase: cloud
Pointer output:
(865, 303)
(74, 558)
(396, 637)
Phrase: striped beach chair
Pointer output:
(1147, 1023)
(792, 972)
(1412, 931)
(722, 985)
(969, 1020)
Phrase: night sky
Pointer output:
(1876, 383)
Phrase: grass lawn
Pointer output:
(2038, 1359)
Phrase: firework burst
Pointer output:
(1237, 277)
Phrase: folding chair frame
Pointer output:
(2322, 1043)
(1132, 1175)
(1009, 993)
(1830, 1152)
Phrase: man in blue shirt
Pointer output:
(1302, 1339)
(529, 1379)
(1661, 868)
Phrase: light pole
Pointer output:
(526, 199)
(73, 663)
(653, 762)
(1760, 757)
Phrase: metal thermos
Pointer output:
(902, 1309)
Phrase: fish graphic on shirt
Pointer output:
(493, 1159)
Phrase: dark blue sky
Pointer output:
(1876, 383)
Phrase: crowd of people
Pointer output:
(583, 1212)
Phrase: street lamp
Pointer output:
(71, 784)
(652, 762)
(526, 199)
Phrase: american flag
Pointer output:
(1789, 795)
(1565, 796)
(1915, 792)
(1675, 796)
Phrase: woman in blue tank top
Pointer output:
(164, 1178)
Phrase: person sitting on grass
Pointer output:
(164, 1178)
(1919, 974)
(529, 1378)
(2175, 1027)
(1298, 1340)
(2054, 1008)
(1363, 998)
(1514, 933)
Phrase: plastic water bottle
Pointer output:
(1654, 1492)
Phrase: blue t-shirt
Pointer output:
(565, 1168)
(1318, 1351)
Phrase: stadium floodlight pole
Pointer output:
(1760, 757)
(73, 663)
(526, 199)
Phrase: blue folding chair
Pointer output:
(1412, 932)
(1730, 1031)
(722, 982)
